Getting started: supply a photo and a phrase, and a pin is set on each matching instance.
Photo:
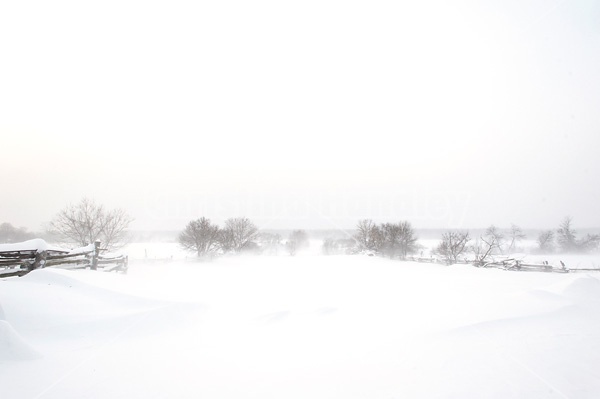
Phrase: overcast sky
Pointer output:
(308, 114)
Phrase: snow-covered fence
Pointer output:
(519, 265)
(20, 258)
(506, 263)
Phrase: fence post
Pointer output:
(96, 253)
(40, 260)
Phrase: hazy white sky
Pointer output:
(302, 114)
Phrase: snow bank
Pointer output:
(582, 289)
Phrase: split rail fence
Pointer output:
(509, 264)
(18, 262)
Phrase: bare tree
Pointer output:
(86, 222)
(297, 241)
(390, 239)
(546, 241)
(226, 240)
(368, 236)
(454, 244)
(408, 239)
(238, 235)
(488, 244)
(116, 223)
(516, 235)
(200, 236)
(494, 235)
(566, 236)
(398, 239)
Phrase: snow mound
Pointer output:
(13, 346)
(67, 292)
(70, 306)
(583, 288)
(51, 277)
(577, 288)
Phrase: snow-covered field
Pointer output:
(298, 327)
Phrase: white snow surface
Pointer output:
(299, 327)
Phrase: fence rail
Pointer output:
(18, 262)
(506, 264)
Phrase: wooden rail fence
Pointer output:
(508, 264)
(18, 262)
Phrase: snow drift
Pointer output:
(13, 346)
(281, 327)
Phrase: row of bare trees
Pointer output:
(564, 239)
(493, 241)
(455, 244)
(239, 235)
(399, 240)
(10, 233)
(86, 222)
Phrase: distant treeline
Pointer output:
(393, 240)
(11, 234)
(86, 222)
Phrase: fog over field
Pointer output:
(307, 115)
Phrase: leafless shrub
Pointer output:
(454, 244)
(200, 236)
(238, 235)
(546, 241)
